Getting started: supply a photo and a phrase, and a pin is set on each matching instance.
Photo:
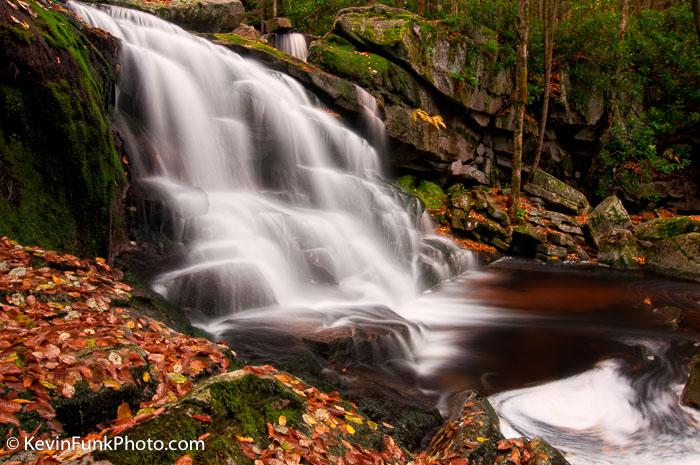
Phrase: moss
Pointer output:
(428, 192)
(172, 426)
(235, 39)
(252, 402)
(663, 228)
(60, 174)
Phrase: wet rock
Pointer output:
(671, 314)
(471, 432)
(691, 391)
(677, 256)
(194, 15)
(527, 238)
(662, 228)
(608, 216)
(619, 249)
(556, 193)
(277, 25)
(544, 453)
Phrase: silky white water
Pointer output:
(285, 218)
(278, 204)
(292, 43)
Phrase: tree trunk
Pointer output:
(262, 16)
(611, 111)
(550, 25)
(454, 9)
(274, 8)
(696, 16)
(421, 8)
(523, 29)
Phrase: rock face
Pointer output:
(677, 256)
(411, 63)
(61, 177)
(194, 15)
(557, 193)
(610, 215)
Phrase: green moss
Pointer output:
(235, 39)
(172, 426)
(428, 192)
(252, 402)
(60, 174)
(663, 228)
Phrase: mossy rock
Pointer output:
(619, 249)
(60, 175)
(369, 70)
(340, 94)
(677, 256)
(428, 192)
(662, 228)
(458, 64)
(556, 193)
(607, 217)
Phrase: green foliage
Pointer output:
(428, 192)
(631, 160)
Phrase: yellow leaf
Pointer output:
(282, 420)
(481, 439)
(47, 384)
(372, 425)
(177, 378)
(124, 412)
(308, 419)
(244, 438)
(110, 383)
(354, 419)
(350, 429)
(146, 376)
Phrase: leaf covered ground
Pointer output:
(70, 344)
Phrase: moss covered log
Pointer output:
(60, 174)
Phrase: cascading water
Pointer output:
(279, 205)
(292, 43)
(285, 218)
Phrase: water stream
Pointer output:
(288, 224)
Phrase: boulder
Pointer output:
(247, 31)
(691, 392)
(194, 15)
(277, 25)
(472, 431)
(662, 228)
(619, 249)
(557, 193)
(677, 256)
(433, 51)
(608, 216)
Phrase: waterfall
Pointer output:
(278, 205)
(292, 43)
(371, 118)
